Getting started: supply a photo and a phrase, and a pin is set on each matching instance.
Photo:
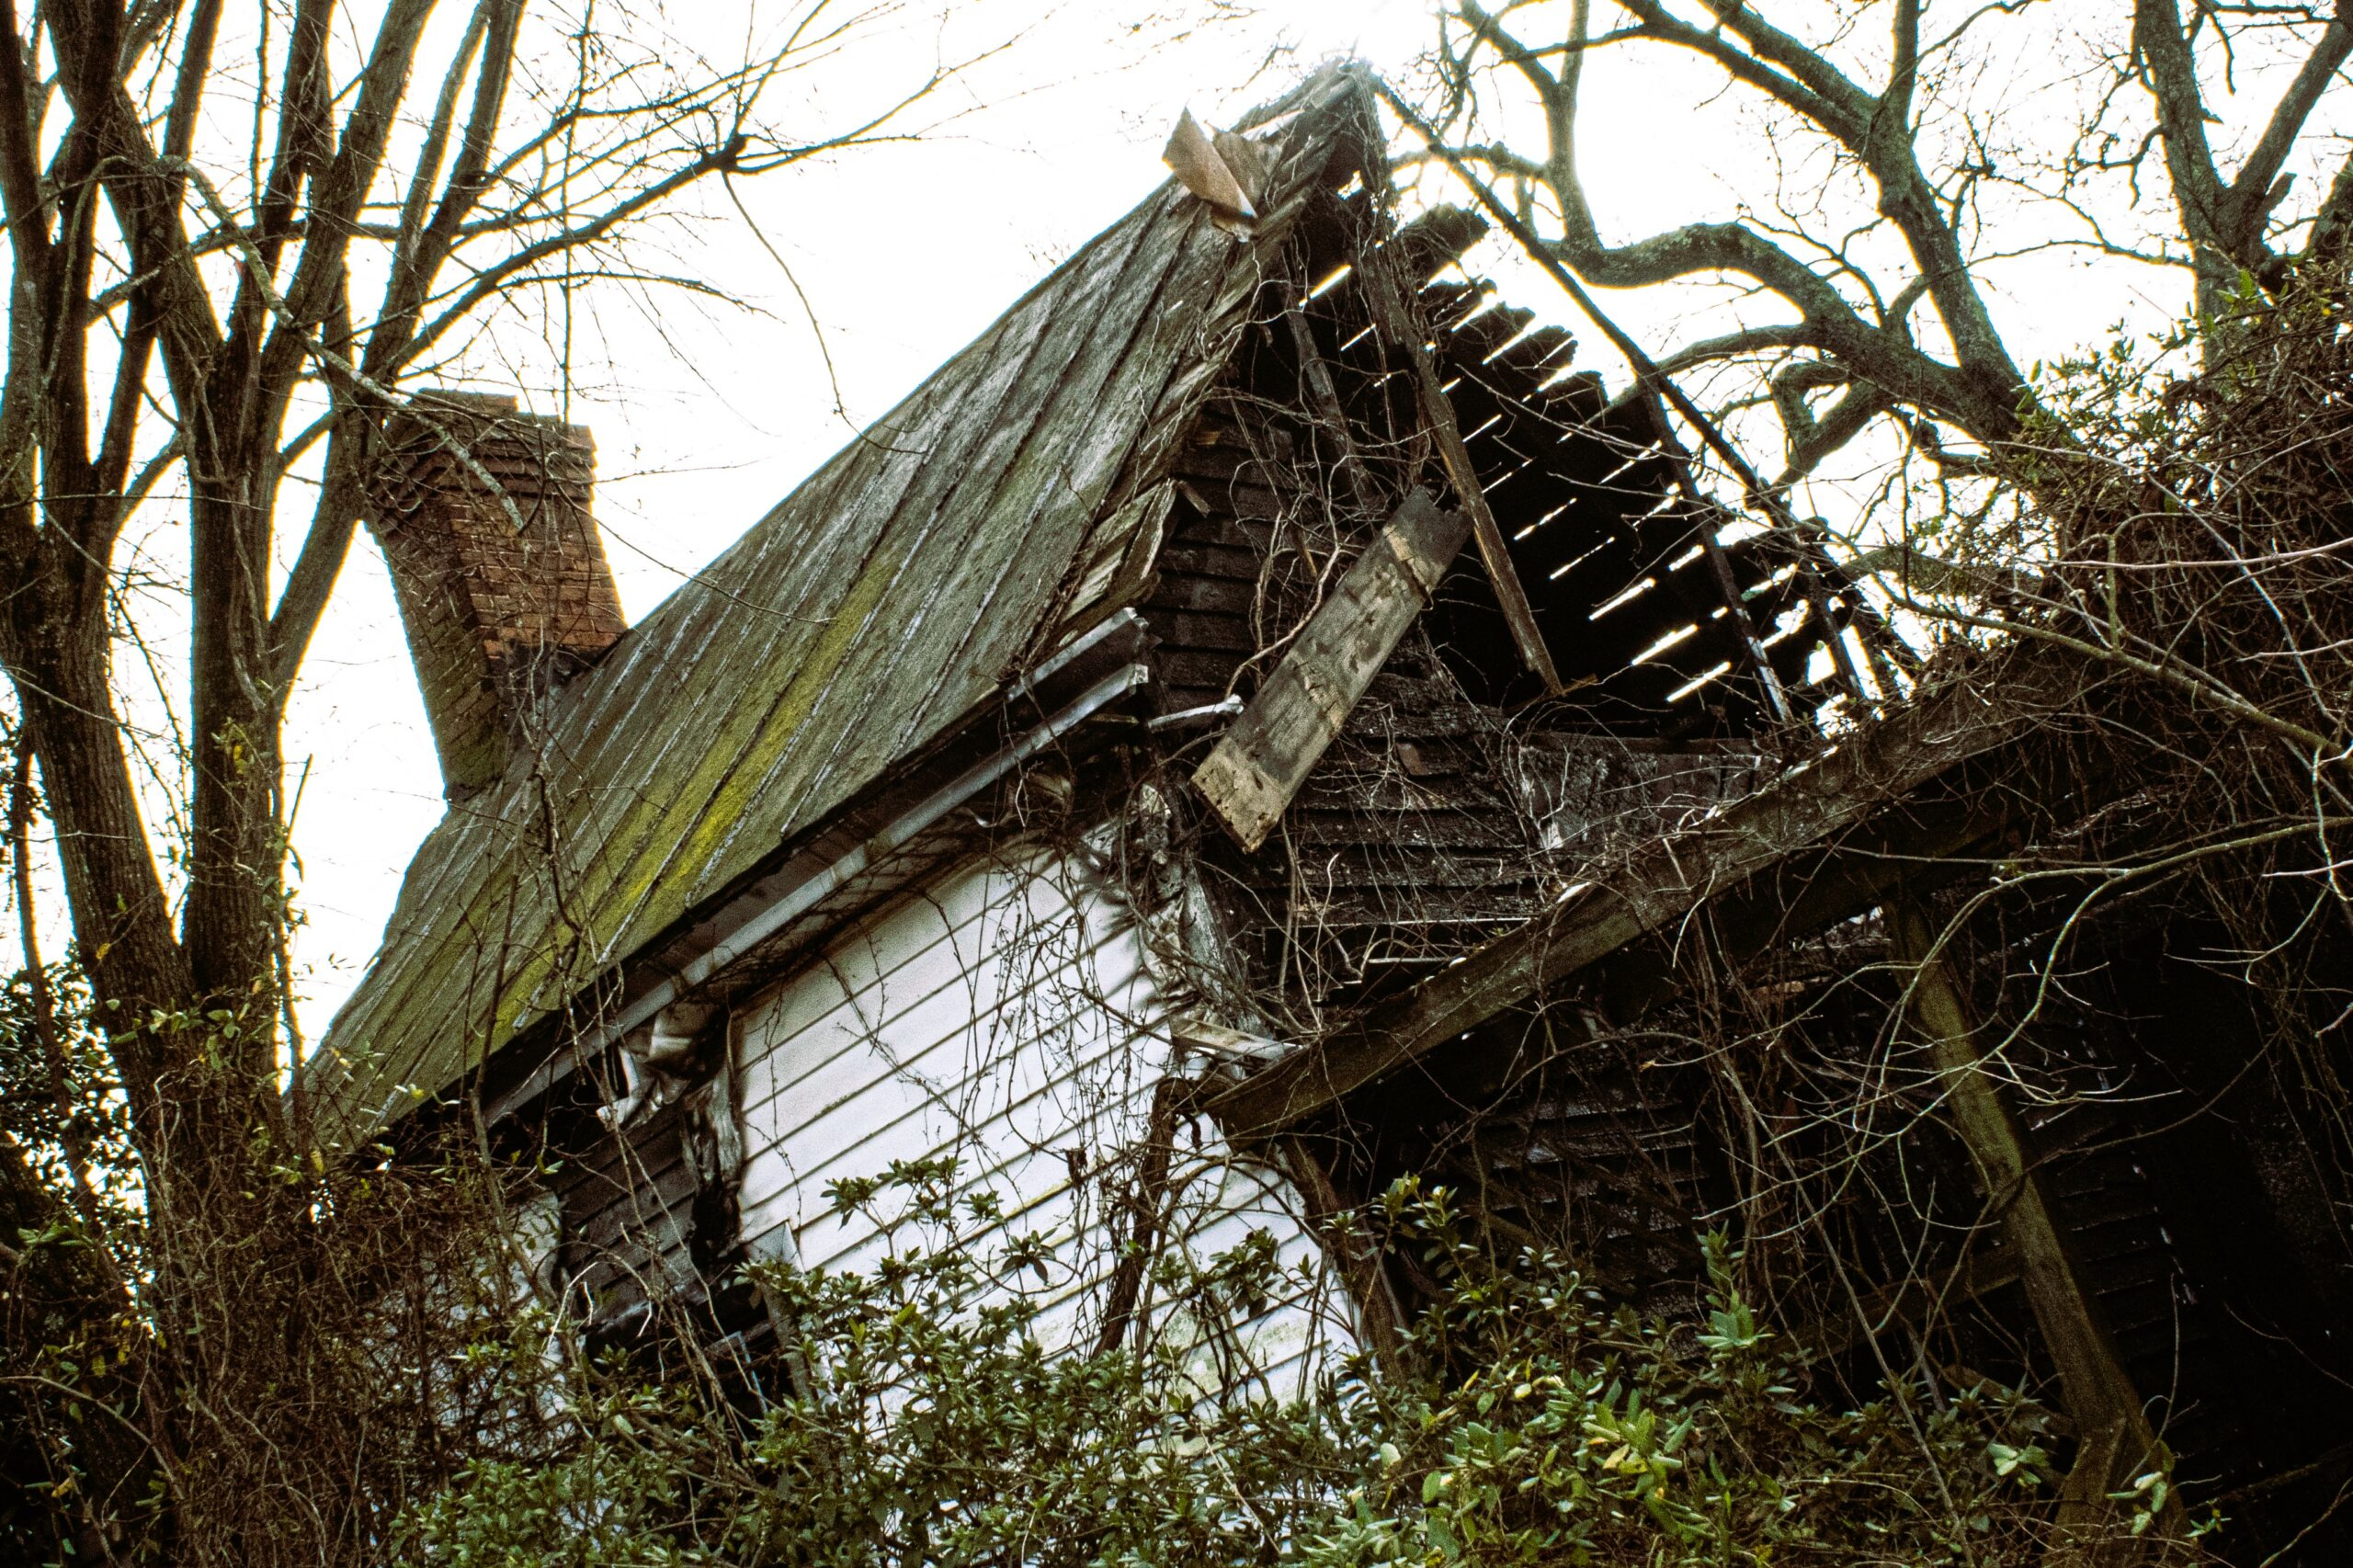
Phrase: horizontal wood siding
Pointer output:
(625, 1205)
(1006, 1016)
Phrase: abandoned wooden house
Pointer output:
(1257, 724)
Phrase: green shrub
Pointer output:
(928, 1423)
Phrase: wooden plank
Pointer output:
(1657, 887)
(1260, 763)
(1120, 550)
(1397, 324)
(1181, 591)
(1325, 401)
(2116, 1441)
(1220, 562)
(1381, 1320)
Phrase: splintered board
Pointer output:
(1260, 763)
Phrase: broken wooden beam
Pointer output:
(1259, 765)
(1396, 322)
(1797, 845)
(1323, 398)
(1381, 1320)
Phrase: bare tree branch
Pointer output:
(1983, 390)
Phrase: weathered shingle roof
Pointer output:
(897, 587)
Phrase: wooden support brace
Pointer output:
(1381, 1320)
(1316, 377)
(1396, 322)
(1261, 762)
(2112, 1427)
(1145, 1201)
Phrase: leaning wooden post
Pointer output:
(1305, 702)
(1395, 319)
(1379, 1320)
(2116, 1441)
(1324, 401)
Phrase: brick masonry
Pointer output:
(504, 587)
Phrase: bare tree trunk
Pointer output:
(222, 298)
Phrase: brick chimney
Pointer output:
(502, 580)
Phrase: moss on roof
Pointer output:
(901, 583)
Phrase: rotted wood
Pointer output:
(1258, 767)
(1145, 1201)
(1381, 1320)
(1324, 400)
(1788, 859)
(1397, 325)
(1720, 572)
(1648, 373)
(2116, 1441)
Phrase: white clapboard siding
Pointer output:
(1006, 1015)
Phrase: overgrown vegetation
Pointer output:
(237, 237)
(397, 1273)
(220, 1348)
(932, 1416)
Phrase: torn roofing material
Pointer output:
(893, 591)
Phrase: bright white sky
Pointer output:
(707, 416)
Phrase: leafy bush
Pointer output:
(931, 1421)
